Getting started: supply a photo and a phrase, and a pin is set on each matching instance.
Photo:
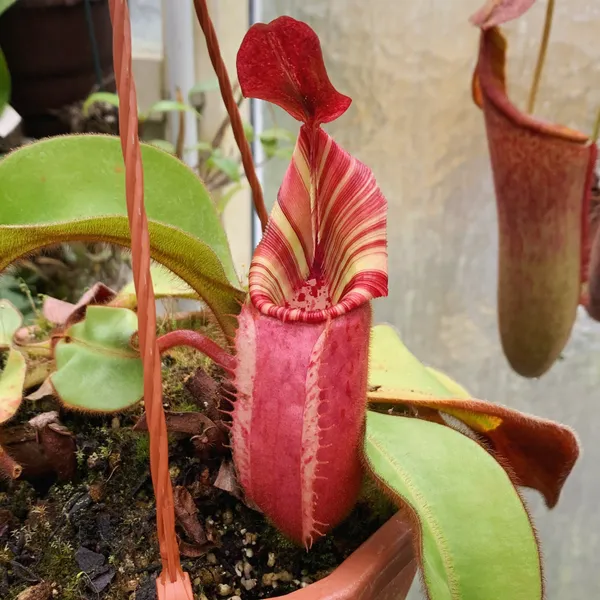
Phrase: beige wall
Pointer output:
(407, 65)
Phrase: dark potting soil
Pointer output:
(94, 537)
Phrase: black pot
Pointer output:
(57, 52)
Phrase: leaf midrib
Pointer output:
(425, 513)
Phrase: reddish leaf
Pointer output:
(59, 312)
(187, 515)
(539, 454)
(282, 62)
(542, 176)
(497, 12)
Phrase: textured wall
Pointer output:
(407, 66)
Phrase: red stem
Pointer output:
(237, 126)
(193, 339)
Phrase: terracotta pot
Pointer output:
(383, 568)
(49, 50)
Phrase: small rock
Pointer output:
(224, 589)
(87, 560)
(284, 576)
(271, 560)
(248, 584)
(268, 579)
(211, 558)
(235, 598)
(42, 591)
(249, 552)
(147, 591)
(101, 582)
(247, 569)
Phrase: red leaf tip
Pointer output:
(282, 62)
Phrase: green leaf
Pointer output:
(5, 5)
(395, 371)
(104, 97)
(200, 146)
(475, 538)
(165, 106)
(12, 378)
(10, 321)
(73, 188)
(229, 166)
(5, 85)
(97, 368)
(277, 134)
(163, 145)
(224, 199)
(166, 285)
(210, 85)
(248, 131)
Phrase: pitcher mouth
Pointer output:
(324, 250)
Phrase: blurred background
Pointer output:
(407, 66)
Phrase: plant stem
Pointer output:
(193, 339)
(596, 130)
(541, 57)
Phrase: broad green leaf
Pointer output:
(457, 390)
(229, 166)
(210, 85)
(393, 370)
(73, 188)
(10, 321)
(163, 145)
(5, 86)
(105, 97)
(475, 538)
(5, 5)
(166, 285)
(537, 452)
(12, 378)
(97, 368)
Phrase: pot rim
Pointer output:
(385, 559)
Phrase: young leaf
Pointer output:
(210, 85)
(473, 535)
(97, 368)
(277, 134)
(201, 147)
(539, 453)
(224, 199)
(10, 321)
(165, 106)
(105, 97)
(166, 285)
(68, 188)
(229, 166)
(12, 378)
(248, 131)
